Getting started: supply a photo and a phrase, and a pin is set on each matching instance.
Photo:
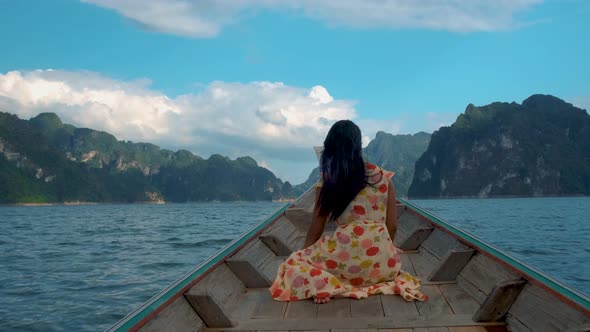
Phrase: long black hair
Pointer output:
(342, 167)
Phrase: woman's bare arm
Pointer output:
(317, 223)
(391, 218)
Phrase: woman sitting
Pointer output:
(359, 259)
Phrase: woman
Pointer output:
(359, 259)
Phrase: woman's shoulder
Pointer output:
(374, 171)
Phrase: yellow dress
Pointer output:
(358, 260)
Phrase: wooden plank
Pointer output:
(400, 208)
(276, 245)
(581, 328)
(297, 242)
(451, 265)
(440, 242)
(353, 330)
(302, 309)
(537, 309)
(267, 308)
(498, 302)
(256, 253)
(368, 307)
(407, 264)
(395, 330)
(515, 325)
(299, 217)
(554, 304)
(221, 284)
(271, 267)
(423, 263)
(246, 304)
(400, 236)
(178, 316)
(431, 329)
(335, 308)
(275, 224)
(307, 201)
(416, 237)
(467, 329)
(484, 273)
(396, 307)
(471, 289)
(250, 276)
(496, 328)
(283, 229)
(248, 265)
(409, 221)
(459, 300)
(436, 305)
(357, 323)
(209, 310)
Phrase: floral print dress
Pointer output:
(358, 260)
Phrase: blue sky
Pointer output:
(296, 67)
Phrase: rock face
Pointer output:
(43, 160)
(392, 152)
(538, 148)
(313, 177)
(399, 154)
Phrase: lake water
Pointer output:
(65, 268)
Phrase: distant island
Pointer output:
(43, 160)
(538, 148)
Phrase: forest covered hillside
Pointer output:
(538, 148)
(43, 160)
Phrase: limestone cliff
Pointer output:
(538, 148)
(43, 160)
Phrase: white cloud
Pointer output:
(274, 123)
(206, 18)
(269, 121)
(91, 100)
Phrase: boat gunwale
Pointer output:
(575, 299)
(137, 318)
(146, 311)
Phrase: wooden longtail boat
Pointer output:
(471, 285)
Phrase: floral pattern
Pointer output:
(358, 260)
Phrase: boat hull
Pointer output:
(472, 286)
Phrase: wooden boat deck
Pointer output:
(448, 305)
(471, 287)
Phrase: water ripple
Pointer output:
(82, 268)
(201, 244)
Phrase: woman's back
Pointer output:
(371, 202)
(359, 259)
